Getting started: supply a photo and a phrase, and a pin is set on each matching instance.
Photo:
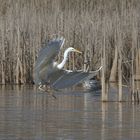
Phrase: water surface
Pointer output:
(26, 114)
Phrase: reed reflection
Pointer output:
(120, 119)
(27, 114)
(104, 117)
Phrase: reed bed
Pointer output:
(107, 31)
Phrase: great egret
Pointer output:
(50, 73)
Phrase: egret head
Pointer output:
(71, 49)
(67, 51)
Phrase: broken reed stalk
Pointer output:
(120, 66)
(120, 79)
(104, 82)
(134, 53)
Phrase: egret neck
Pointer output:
(61, 65)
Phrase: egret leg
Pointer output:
(41, 88)
(50, 91)
(46, 88)
(53, 95)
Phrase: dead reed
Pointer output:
(107, 31)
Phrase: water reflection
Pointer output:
(104, 117)
(29, 115)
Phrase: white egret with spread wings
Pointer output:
(47, 72)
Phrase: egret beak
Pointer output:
(77, 51)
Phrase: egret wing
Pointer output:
(71, 78)
(55, 76)
(46, 57)
(49, 52)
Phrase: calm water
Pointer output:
(26, 114)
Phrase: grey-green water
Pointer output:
(26, 114)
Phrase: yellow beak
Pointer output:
(77, 51)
